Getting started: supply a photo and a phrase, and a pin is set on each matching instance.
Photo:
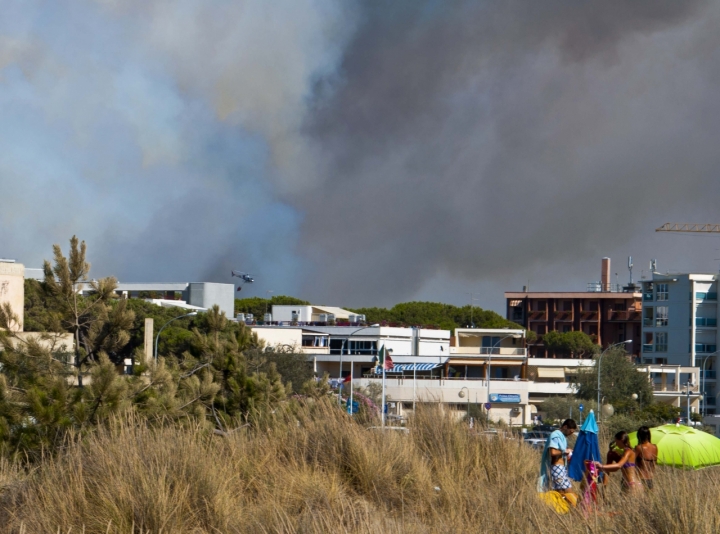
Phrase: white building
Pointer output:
(305, 314)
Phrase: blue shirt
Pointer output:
(556, 440)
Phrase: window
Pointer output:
(648, 316)
(566, 328)
(661, 341)
(648, 291)
(593, 305)
(540, 305)
(661, 292)
(567, 305)
(361, 347)
(648, 342)
(314, 341)
(661, 316)
(660, 361)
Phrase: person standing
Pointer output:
(553, 471)
(626, 464)
(646, 457)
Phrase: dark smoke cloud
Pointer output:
(360, 153)
(484, 141)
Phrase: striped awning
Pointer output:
(400, 367)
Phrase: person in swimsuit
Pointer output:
(626, 464)
(646, 454)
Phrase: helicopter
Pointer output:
(244, 277)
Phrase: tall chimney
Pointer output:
(605, 274)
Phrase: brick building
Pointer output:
(606, 312)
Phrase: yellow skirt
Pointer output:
(560, 502)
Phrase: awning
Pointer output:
(573, 370)
(398, 368)
(550, 372)
(514, 303)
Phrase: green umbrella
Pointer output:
(683, 446)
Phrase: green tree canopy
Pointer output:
(619, 380)
(436, 314)
(577, 344)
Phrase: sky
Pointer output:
(361, 153)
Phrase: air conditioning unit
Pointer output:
(323, 317)
(267, 318)
(240, 317)
(295, 316)
(353, 318)
(330, 317)
(249, 317)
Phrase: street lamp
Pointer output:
(461, 395)
(492, 349)
(157, 338)
(598, 369)
(342, 350)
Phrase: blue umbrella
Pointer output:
(587, 447)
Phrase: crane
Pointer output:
(690, 228)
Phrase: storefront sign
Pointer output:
(512, 398)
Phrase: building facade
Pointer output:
(679, 327)
(608, 313)
(12, 290)
(607, 317)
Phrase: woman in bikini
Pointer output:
(646, 454)
(626, 464)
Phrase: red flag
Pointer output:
(388, 365)
(348, 378)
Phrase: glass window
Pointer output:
(661, 341)
(661, 316)
(648, 291)
(648, 316)
(661, 292)
(648, 342)
(361, 347)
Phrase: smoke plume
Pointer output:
(359, 153)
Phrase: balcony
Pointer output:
(705, 296)
(623, 315)
(537, 315)
(702, 348)
(708, 374)
(672, 387)
(647, 347)
(589, 316)
(706, 321)
(496, 351)
(563, 315)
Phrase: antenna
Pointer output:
(630, 266)
(653, 265)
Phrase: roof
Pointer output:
(571, 295)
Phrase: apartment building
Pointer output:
(609, 313)
(679, 328)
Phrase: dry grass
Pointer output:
(313, 470)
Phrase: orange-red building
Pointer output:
(606, 312)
